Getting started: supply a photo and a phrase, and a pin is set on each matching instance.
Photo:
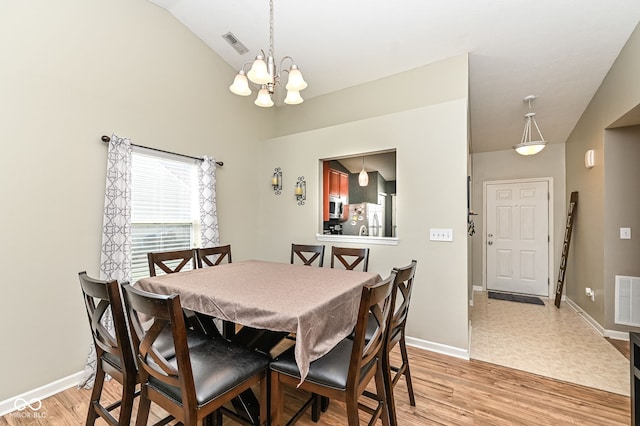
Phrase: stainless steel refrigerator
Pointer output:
(365, 219)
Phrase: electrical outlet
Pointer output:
(440, 234)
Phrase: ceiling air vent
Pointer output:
(235, 43)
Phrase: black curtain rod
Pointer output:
(107, 139)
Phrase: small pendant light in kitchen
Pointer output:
(363, 177)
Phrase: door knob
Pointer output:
(490, 243)
(490, 235)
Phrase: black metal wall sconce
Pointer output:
(276, 181)
(301, 190)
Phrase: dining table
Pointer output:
(319, 305)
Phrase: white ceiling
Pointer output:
(558, 50)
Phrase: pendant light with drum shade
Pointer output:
(363, 177)
(526, 145)
(263, 72)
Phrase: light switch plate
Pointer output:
(438, 234)
(625, 233)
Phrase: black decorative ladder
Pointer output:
(571, 215)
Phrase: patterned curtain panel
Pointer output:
(207, 194)
(115, 261)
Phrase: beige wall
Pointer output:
(618, 94)
(72, 71)
(621, 179)
(431, 143)
(82, 69)
(503, 165)
(400, 92)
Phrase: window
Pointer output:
(164, 207)
(367, 211)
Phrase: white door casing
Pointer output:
(517, 237)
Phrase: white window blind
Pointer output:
(164, 207)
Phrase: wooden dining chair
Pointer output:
(402, 286)
(114, 355)
(307, 253)
(199, 380)
(170, 262)
(345, 371)
(350, 257)
(213, 256)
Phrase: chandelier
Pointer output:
(526, 145)
(263, 72)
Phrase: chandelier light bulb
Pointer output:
(295, 82)
(240, 85)
(293, 98)
(258, 72)
(264, 98)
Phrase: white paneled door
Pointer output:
(517, 237)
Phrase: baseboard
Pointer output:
(437, 347)
(612, 334)
(478, 288)
(36, 395)
(617, 335)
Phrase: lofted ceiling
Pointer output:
(559, 51)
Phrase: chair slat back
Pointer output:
(103, 303)
(164, 311)
(307, 253)
(350, 257)
(166, 261)
(403, 285)
(376, 301)
(213, 256)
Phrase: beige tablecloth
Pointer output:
(319, 304)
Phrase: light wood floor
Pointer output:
(622, 346)
(449, 391)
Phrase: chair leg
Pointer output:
(388, 388)
(352, 410)
(213, 419)
(324, 403)
(407, 372)
(143, 407)
(128, 394)
(98, 383)
(264, 399)
(276, 399)
(382, 394)
(315, 407)
(217, 418)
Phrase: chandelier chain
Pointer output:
(271, 49)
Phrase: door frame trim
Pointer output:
(551, 242)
